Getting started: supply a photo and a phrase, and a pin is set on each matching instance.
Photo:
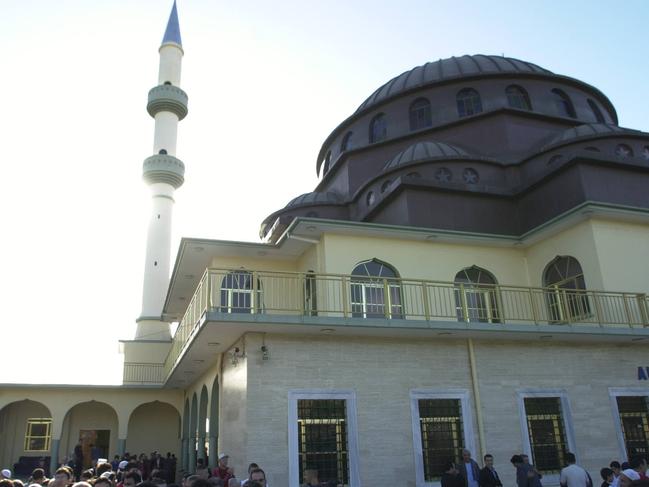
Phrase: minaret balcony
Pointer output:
(163, 168)
(167, 98)
(227, 303)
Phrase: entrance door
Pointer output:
(95, 444)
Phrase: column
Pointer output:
(54, 456)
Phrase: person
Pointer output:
(78, 459)
(451, 476)
(201, 470)
(526, 475)
(469, 470)
(257, 475)
(639, 464)
(62, 477)
(608, 476)
(222, 470)
(627, 476)
(573, 475)
(132, 478)
(5, 474)
(38, 477)
(250, 467)
(115, 463)
(488, 475)
(615, 466)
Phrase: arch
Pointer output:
(26, 431)
(563, 103)
(214, 422)
(378, 128)
(476, 297)
(420, 114)
(599, 116)
(202, 423)
(240, 293)
(145, 433)
(565, 293)
(468, 102)
(376, 290)
(90, 423)
(346, 142)
(517, 97)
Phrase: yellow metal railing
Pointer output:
(141, 373)
(347, 296)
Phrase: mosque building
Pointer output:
(471, 271)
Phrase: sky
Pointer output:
(267, 82)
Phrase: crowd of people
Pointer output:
(158, 471)
(468, 473)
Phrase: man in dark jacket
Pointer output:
(469, 470)
(488, 475)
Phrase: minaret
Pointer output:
(164, 173)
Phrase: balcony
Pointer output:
(354, 301)
(143, 374)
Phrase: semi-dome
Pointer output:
(451, 68)
(422, 151)
(314, 198)
(588, 130)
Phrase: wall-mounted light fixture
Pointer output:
(235, 355)
(265, 353)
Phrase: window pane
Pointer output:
(442, 435)
(634, 418)
(322, 439)
(37, 434)
(546, 433)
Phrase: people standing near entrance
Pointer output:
(78, 459)
(573, 475)
(469, 470)
(222, 470)
(488, 475)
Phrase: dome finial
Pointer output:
(172, 34)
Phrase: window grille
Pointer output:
(38, 434)
(547, 434)
(420, 114)
(373, 284)
(468, 102)
(634, 418)
(322, 439)
(442, 435)
(238, 295)
(378, 128)
(564, 104)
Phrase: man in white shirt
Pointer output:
(573, 475)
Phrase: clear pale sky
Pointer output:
(267, 82)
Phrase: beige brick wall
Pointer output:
(382, 372)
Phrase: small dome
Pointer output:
(450, 68)
(422, 151)
(588, 130)
(315, 198)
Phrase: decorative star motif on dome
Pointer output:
(470, 176)
(443, 175)
(622, 151)
(645, 153)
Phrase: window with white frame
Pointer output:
(322, 437)
(240, 293)
(441, 426)
(631, 412)
(547, 430)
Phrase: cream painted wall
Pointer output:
(623, 250)
(154, 426)
(383, 372)
(13, 427)
(578, 242)
(309, 260)
(424, 260)
(254, 264)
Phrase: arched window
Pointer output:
(375, 291)
(476, 298)
(564, 104)
(420, 114)
(596, 111)
(517, 97)
(378, 128)
(346, 142)
(468, 102)
(327, 161)
(566, 297)
(240, 294)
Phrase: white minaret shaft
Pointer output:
(164, 173)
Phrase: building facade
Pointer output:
(470, 272)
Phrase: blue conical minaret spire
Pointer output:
(172, 34)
